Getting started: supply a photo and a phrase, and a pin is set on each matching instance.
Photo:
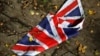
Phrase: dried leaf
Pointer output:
(35, 7)
(13, 55)
(6, 45)
(32, 12)
(91, 12)
(82, 48)
(68, 42)
(30, 39)
(56, 7)
(57, 47)
(37, 13)
(1, 24)
(91, 31)
(97, 52)
(98, 4)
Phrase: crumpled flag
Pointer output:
(52, 30)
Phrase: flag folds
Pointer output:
(52, 30)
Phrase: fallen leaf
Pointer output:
(68, 42)
(91, 12)
(1, 24)
(13, 55)
(32, 12)
(97, 52)
(92, 31)
(35, 7)
(57, 47)
(98, 4)
(37, 13)
(82, 48)
(30, 39)
(6, 45)
(56, 7)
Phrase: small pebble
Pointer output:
(97, 53)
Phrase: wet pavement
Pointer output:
(17, 17)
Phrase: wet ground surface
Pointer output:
(17, 17)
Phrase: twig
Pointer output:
(17, 33)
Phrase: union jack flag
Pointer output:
(52, 30)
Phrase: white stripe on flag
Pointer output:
(81, 8)
(66, 4)
(25, 45)
(64, 24)
(30, 53)
(18, 52)
(71, 18)
(82, 13)
(56, 35)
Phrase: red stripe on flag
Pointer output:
(61, 34)
(41, 36)
(67, 9)
(28, 48)
(59, 30)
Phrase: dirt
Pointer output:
(17, 17)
